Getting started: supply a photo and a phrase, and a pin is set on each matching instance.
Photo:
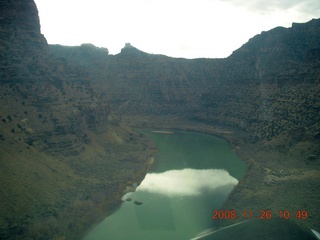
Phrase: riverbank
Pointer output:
(114, 201)
(275, 180)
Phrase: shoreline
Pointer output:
(162, 132)
(265, 180)
(273, 179)
(123, 189)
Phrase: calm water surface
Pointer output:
(192, 175)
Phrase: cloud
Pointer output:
(186, 182)
(269, 6)
(177, 28)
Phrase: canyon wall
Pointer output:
(65, 157)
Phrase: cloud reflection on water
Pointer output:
(186, 182)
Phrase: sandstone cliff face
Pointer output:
(271, 84)
(135, 82)
(62, 149)
(20, 39)
(271, 54)
(44, 85)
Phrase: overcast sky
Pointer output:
(176, 28)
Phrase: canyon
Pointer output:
(68, 145)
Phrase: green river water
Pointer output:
(192, 175)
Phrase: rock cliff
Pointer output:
(268, 87)
(65, 157)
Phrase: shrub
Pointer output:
(29, 142)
